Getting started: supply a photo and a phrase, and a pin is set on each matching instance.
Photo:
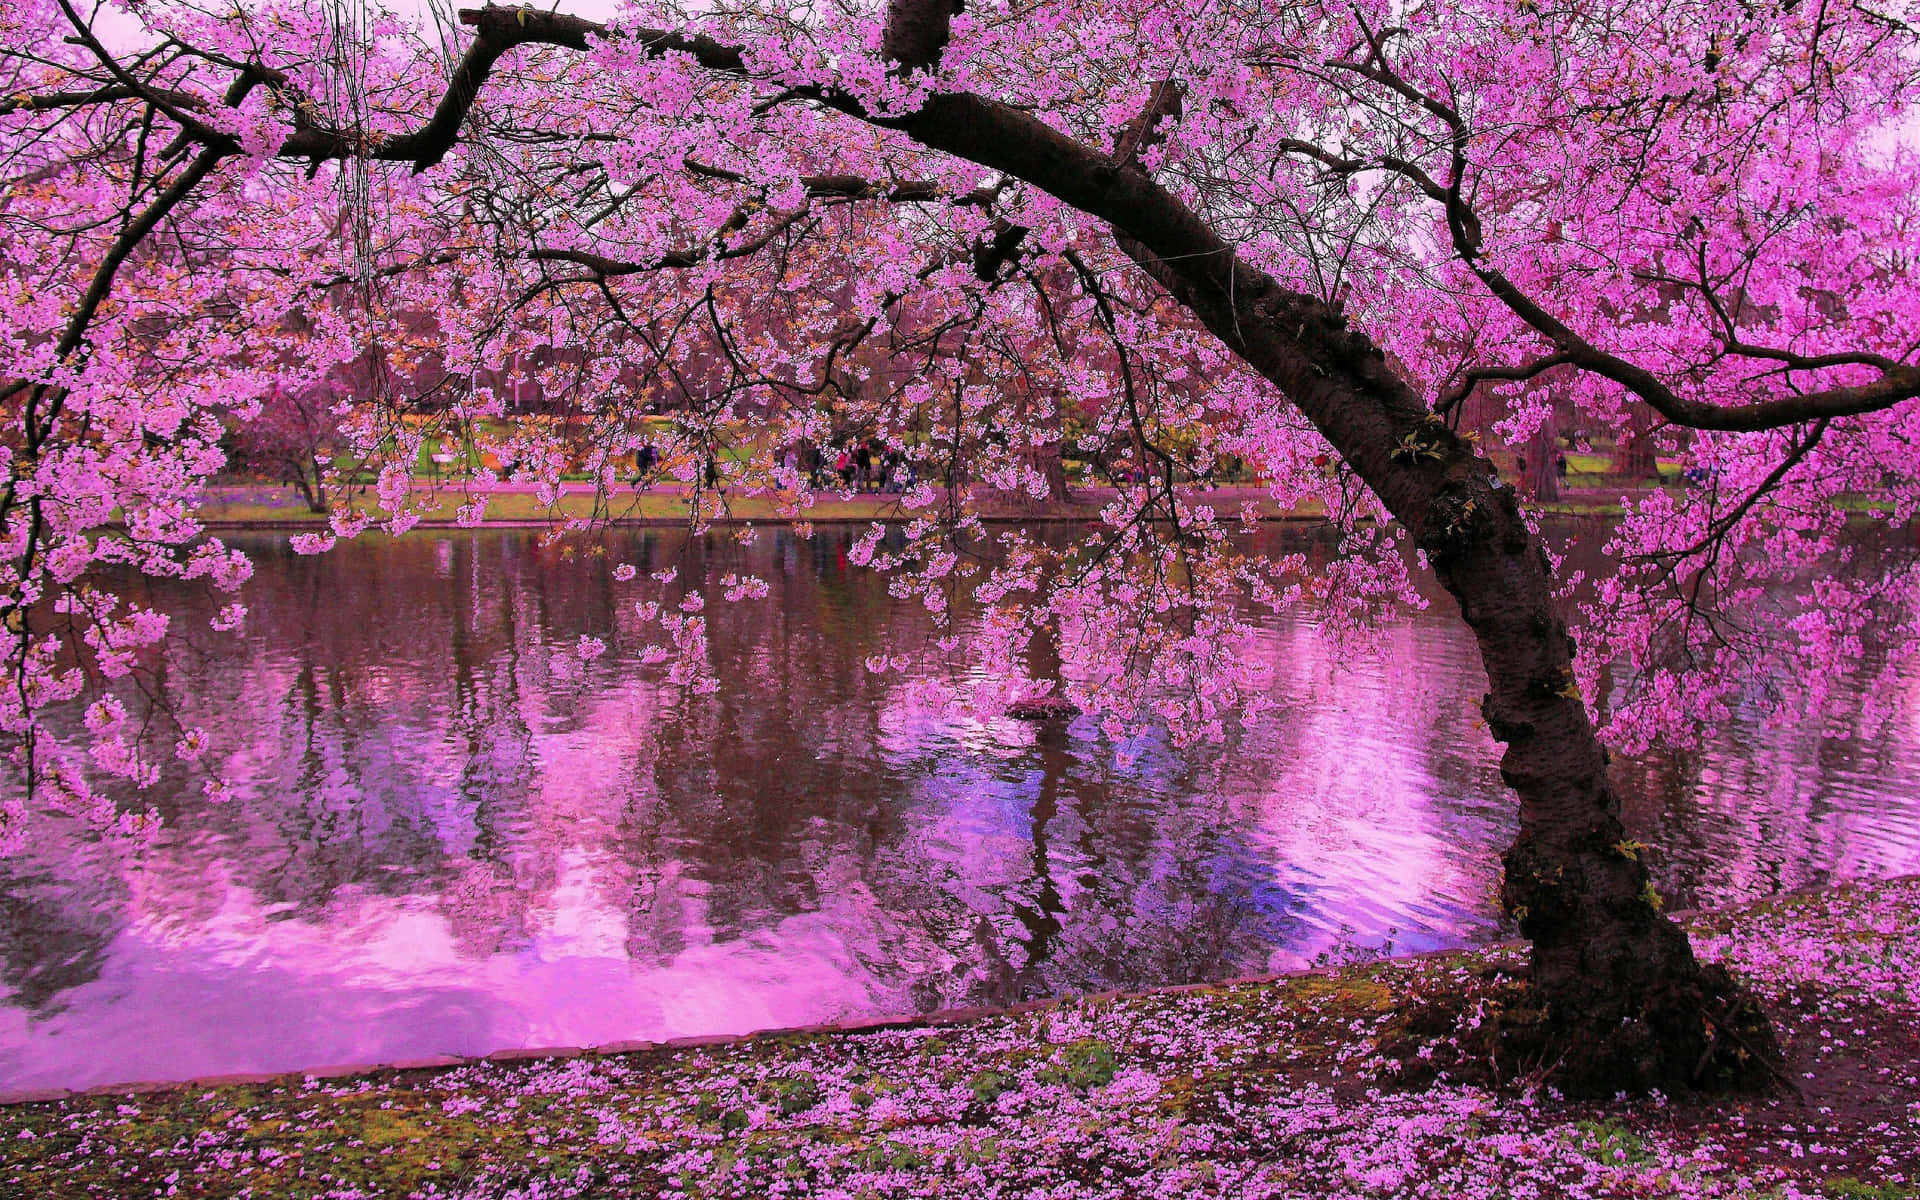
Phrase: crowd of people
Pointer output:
(861, 466)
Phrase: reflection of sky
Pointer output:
(438, 845)
(383, 979)
(1349, 791)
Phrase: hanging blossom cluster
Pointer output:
(711, 247)
(1696, 619)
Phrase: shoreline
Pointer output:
(1308, 1084)
(314, 525)
(880, 1023)
(877, 1023)
(276, 509)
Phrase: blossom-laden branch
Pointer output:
(1896, 382)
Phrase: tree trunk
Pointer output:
(1541, 478)
(1627, 1005)
(1634, 456)
(1047, 459)
(1053, 464)
(313, 491)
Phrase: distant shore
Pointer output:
(263, 506)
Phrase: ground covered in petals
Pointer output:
(1283, 1089)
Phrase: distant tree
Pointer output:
(1635, 456)
(293, 440)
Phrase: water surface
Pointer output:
(440, 842)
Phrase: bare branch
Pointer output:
(105, 94)
(1722, 525)
(1472, 379)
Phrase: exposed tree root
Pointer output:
(1712, 1037)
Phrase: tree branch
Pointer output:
(1472, 379)
(1796, 453)
(1898, 382)
(105, 94)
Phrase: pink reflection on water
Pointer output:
(440, 845)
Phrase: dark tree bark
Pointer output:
(1634, 455)
(1540, 478)
(1053, 464)
(917, 33)
(1049, 459)
(1627, 1004)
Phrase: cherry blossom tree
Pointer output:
(291, 441)
(1299, 237)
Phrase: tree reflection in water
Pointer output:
(447, 839)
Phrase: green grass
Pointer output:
(1848, 1188)
(522, 507)
(1609, 1141)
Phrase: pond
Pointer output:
(442, 841)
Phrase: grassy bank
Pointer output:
(243, 506)
(1293, 1087)
(263, 507)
